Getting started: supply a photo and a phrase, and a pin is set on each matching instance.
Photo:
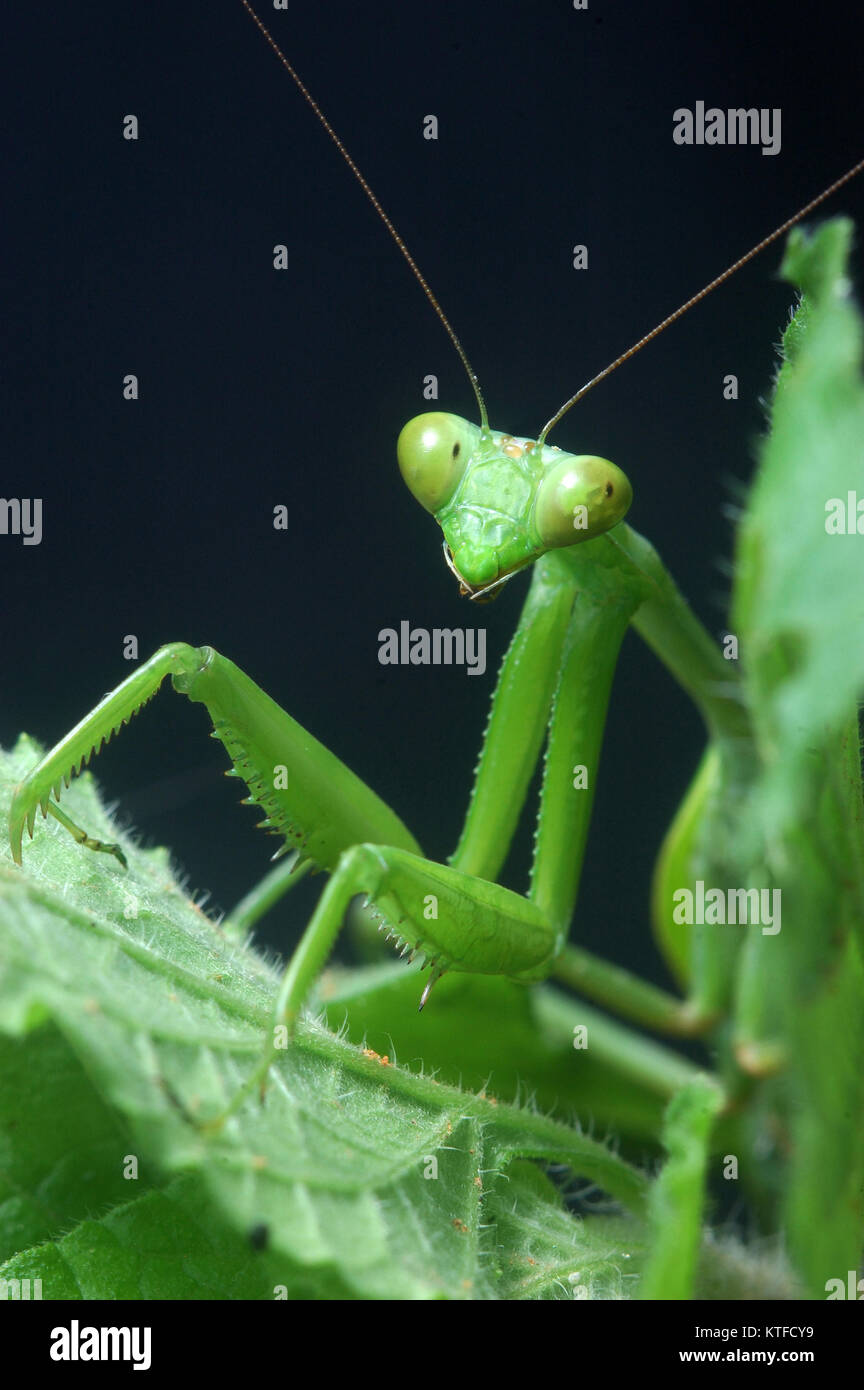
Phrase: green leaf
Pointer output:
(799, 612)
(799, 591)
(133, 1021)
(517, 1041)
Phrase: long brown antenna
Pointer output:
(671, 318)
(472, 376)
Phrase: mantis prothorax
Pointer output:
(504, 503)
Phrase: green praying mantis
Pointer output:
(504, 503)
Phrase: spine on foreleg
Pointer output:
(307, 794)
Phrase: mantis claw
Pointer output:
(428, 990)
(82, 838)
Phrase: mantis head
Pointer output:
(503, 501)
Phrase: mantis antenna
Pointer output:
(706, 290)
(415, 269)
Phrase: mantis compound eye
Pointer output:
(433, 450)
(581, 497)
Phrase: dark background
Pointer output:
(260, 388)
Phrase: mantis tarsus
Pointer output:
(624, 576)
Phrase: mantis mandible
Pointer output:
(556, 677)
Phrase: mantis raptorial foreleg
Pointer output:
(323, 811)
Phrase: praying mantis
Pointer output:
(504, 953)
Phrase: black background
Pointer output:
(258, 388)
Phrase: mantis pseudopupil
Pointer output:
(535, 959)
